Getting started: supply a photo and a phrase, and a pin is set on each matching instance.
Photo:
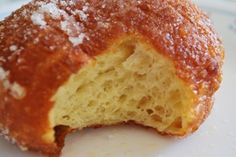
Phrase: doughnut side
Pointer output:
(47, 42)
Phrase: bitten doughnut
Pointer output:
(71, 64)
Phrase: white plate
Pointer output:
(215, 138)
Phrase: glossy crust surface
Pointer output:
(38, 55)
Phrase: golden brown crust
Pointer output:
(40, 59)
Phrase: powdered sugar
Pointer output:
(46, 8)
(5, 133)
(77, 40)
(13, 48)
(16, 90)
(38, 19)
(86, 7)
(23, 148)
(68, 23)
(82, 15)
(52, 10)
(3, 78)
(65, 26)
(71, 28)
(63, 3)
(3, 74)
(2, 59)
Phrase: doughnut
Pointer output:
(66, 65)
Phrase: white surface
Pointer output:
(215, 138)
(230, 5)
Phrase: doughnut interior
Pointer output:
(131, 81)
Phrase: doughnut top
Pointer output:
(179, 30)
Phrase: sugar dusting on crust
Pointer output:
(77, 40)
(13, 48)
(4, 78)
(51, 9)
(16, 90)
(82, 15)
(68, 23)
(3, 74)
(5, 132)
(38, 19)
